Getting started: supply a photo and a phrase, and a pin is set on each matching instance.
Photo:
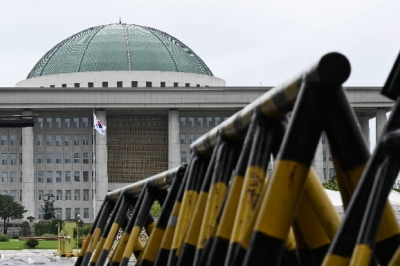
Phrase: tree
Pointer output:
(25, 229)
(10, 209)
(332, 184)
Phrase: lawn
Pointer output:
(15, 244)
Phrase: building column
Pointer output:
(28, 171)
(363, 121)
(173, 139)
(380, 123)
(101, 181)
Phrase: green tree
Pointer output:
(25, 229)
(332, 184)
(10, 209)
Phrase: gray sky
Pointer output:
(244, 42)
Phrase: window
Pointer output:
(67, 140)
(324, 169)
(332, 172)
(105, 84)
(76, 139)
(190, 121)
(187, 84)
(13, 177)
(182, 138)
(4, 141)
(85, 176)
(77, 211)
(191, 138)
(14, 195)
(20, 195)
(20, 158)
(85, 140)
(67, 157)
(76, 122)
(209, 121)
(58, 140)
(119, 84)
(58, 121)
(175, 84)
(58, 157)
(13, 158)
(77, 194)
(40, 122)
(49, 176)
(324, 156)
(77, 176)
(182, 121)
(40, 177)
(20, 177)
(183, 157)
(330, 155)
(85, 122)
(40, 140)
(40, 158)
(67, 122)
(85, 158)
(162, 84)
(67, 194)
(90, 84)
(59, 213)
(134, 84)
(49, 157)
(77, 157)
(67, 176)
(323, 138)
(200, 121)
(4, 158)
(4, 177)
(76, 85)
(148, 84)
(50, 192)
(40, 194)
(64, 85)
(217, 120)
(58, 176)
(86, 194)
(86, 213)
(49, 140)
(59, 194)
(20, 140)
(13, 140)
(67, 213)
(49, 122)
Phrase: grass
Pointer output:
(15, 244)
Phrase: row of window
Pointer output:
(49, 140)
(67, 194)
(210, 121)
(68, 215)
(332, 172)
(48, 176)
(134, 84)
(65, 122)
(324, 156)
(188, 138)
(48, 158)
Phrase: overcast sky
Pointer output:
(244, 42)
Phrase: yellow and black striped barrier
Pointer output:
(223, 208)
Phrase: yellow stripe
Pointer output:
(188, 204)
(119, 251)
(151, 249)
(316, 196)
(250, 194)
(395, 259)
(85, 247)
(170, 230)
(290, 244)
(335, 260)
(111, 235)
(228, 216)
(214, 203)
(192, 235)
(97, 252)
(130, 246)
(362, 255)
(311, 229)
(150, 227)
(93, 243)
(281, 200)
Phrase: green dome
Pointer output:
(119, 47)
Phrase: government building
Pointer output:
(155, 96)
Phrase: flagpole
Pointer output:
(94, 174)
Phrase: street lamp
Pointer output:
(77, 231)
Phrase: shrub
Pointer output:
(155, 209)
(47, 227)
(25, 229)
(32, 243)
(4, 238)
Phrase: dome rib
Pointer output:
(172, 58)
(87, 45)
